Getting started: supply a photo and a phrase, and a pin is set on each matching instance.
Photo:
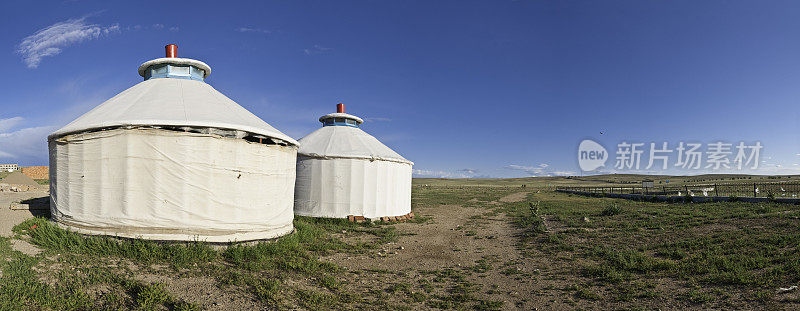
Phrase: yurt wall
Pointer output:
(173, 159)
(343, 171)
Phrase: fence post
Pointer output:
(685, 187)
(755, 193)
(716, 190)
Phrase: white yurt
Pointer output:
(171, 158)
(343, 171)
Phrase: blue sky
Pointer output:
(462, 88)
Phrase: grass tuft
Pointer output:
(267, 290)
(46, 234)
(611, 210)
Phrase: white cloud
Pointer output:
(174, 28)
(317, 50)
(535, 170)
(469, 171)
(436, 174)
(249, 29)
(539, 170)
(462, 173)
(377, 119)
(7, 124)
(51, 40)
(23, 145)
(158, 26)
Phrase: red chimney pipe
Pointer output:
(340, 108)
(172, 50)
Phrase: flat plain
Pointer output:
(475, 245)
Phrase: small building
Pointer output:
(343, 171)
(9, 167)
(171, 158)
(647, 183)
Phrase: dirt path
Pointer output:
(10, 218)
(514, 197)
(475, 240)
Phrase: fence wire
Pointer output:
(777, 190)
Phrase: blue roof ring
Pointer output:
(357, 120)
(175, 61)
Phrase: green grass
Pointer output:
(295, 252)
(315, 300)
(21, 288)
(47, 235)
(528, 218)
(698, 297)
(700, 253)
(611, 210)
(268, 290)
(726, 246)
(259, 268)
(585, 293)
(628, 255)
(149, 296)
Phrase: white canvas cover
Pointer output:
(340, 187)
(172, 102)
(173, 159)
(170, 185)
(342, 171)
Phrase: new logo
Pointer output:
(591, 155)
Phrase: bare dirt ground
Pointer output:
(450, 240)
(10, 217)
(473, 240)
(514, 197)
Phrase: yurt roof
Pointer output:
(172, 102)
(346, 142)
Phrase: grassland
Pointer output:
(105, 273)
(622, 254)
(633, 254)
(474, 246)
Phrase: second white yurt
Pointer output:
(171, 158)
(343, 171)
